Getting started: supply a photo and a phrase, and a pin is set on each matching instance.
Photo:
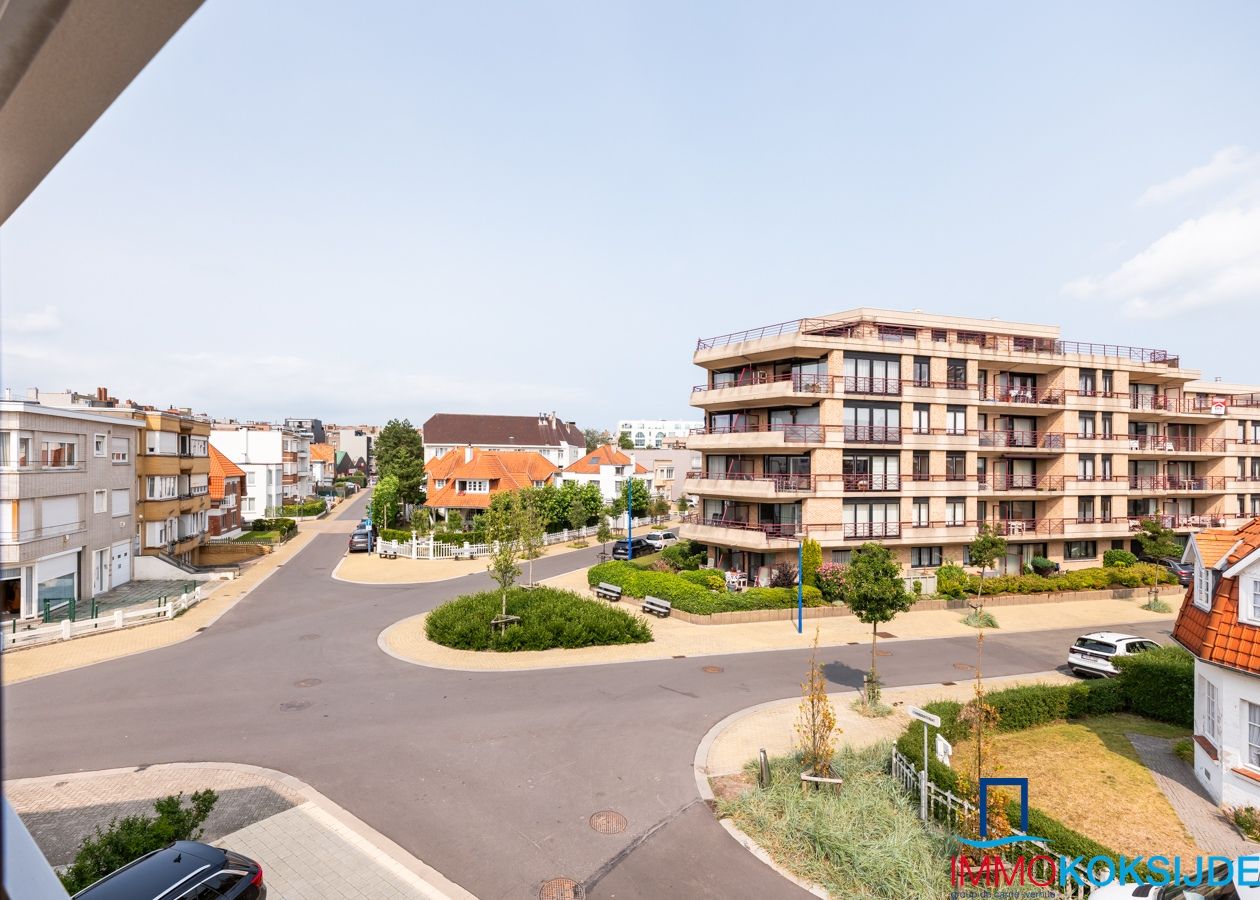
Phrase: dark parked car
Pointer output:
(186, 870)
(621, 549)
(360, 541)
(1183, 571)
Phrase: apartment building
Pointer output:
(276, 462)
(669, 467)
(323, 465)
(67, 505)
(357, 442)
(557, 441)
(912, 429)
(655, 433)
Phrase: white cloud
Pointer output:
(1212, 259)
(33, 322)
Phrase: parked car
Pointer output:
(1092, 653)
(1183, 571)
(361, 541)
(186, 870)
(659, 540)
(1230, 890)
(621, 549)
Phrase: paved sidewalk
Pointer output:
(309, 847)
(672, 637)
(369, 568)
(1206, 823)
(771, 726)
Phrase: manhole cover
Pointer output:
(963, 667)
(308, 682)
(885, 634)
(294, 705)
(949, 683)
(61, 784)
(854, 643)
(561, 889)
(883, 653)
(201, 629)
(713, 670)
(608, 821)
(308, 637)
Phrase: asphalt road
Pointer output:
(490, 778)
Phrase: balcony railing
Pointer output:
(38, 534)
(792, 434)
(1021, 482)
(872, 434)
(1164, 403)
(857, 384)
(1167, 444)
(803, 383)
(769, 529)
(992, 393)
(780, 482)
(1041, 440)
(863, 482)
(1177, 483)
(861, 531)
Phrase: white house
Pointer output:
(655, 433)
(1219, 623)
(276, 461)
(609, 468)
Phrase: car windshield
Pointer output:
(1094, 646)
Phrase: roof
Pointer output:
(607, 455)
(1111, 636)
(509, 470)
(222, 468)
(322, 453)
(1217, 635)
(459, 429)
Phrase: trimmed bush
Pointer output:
(549, 618)
(309, 508)
(1159, 684)
(1118, 558)
(401, 535)
(691, 597)
(707, 579)
(685, 555)
(953, 581)
(284, 526)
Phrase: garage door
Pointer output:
(121, 554)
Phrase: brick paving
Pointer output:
(1205, 822)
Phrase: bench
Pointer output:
(388, 551)
(606, 591)
(656, 606)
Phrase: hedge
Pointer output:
(685, 555)
(682, 593)
(953, 581)
(549, 618)
(284, 526)
(1119, 558)
(308, 508)
(401, 535)
(1159, 684)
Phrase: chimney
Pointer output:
(102, 394)
(468, 453)
(32, 394)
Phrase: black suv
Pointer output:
(621, 549)
(186, 870)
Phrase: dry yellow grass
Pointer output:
(1084, 773)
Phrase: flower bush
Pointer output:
(549, 618)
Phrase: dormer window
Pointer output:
(474, 486)
(1252, 599)
(1202, 586)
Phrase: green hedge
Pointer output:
(1039, 704)
(1119, 558)
(707, 579)
(309, 508)
(284, 526)
(953, 581)
(683, 593)
(402, 535)
(1159, 684)
(549, 618)
(685, 555)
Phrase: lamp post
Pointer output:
(800, 583)
(629, 521)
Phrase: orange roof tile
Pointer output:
(607, 455)
(322, 453)
(221, 468)
(1217, 635)
(509, 470)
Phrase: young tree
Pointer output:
(639, 497)
(817, 723)
(577, 511)
(684, 505)
(1157, 541)
(399, 451)
(624, 442)
(385, 501)
(660, 506)
(603, 534)
(528, 526)
(454, 520)
(595, 438)
(501, 524)
(422, 520)
(811, 559)
(875, 591)
(987, 548)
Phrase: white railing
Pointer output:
(16, 636)
(427, 548)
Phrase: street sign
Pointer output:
(923, 716)
(943, 749)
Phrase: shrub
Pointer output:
(1041, 565)
(549, 618)
(1118, 558)
(684, 555)
(707, 578)
(131, 837)
(284, 526)
(830, 580)
(1039, 704)
(395, 534)
(686, 594)
(980, 618)
(1184, 749)
(1247, 818)
(783, 575)
(308, 508)
(1159, 684)
(953, 581)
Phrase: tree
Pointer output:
(501, 524)
(454, 520)
(811, 559)
(1157, 541)
(603, 534)
(987, 548)
(595, 438)
(422, 520)
(399, 451)
(817, 723)
(639, 497)
(660, 506)
(529, 526)
(385, 501)
(876, 592)
(577, 516)
(684, 505)
(624, 442)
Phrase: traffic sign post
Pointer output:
(928, 719)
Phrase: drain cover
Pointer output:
(948, 683)
(308, 682)
(608, 821)
(294, 705)
(885, 634)
(561, 889)
(308, 637)
(713, 670)
(963, 667)
(854, 643)
(883, 653)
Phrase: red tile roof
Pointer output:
(607, 455)
(222, 468)
(1217, 635)
(322, 453)
(507, 471)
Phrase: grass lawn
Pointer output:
(254, 537)
(1082, 772)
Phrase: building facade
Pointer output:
(609, 468)
(669, 467)
(913, 429)
(465, 480)
(313, 429)
(557, 441)
(227, 491)
(276, 462)
(67, 505)
(323, 465)
(356, 442)
(656, 433)
(1219, 623)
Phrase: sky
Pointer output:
(389, 210)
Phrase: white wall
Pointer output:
(1233, 688)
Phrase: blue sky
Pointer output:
(358, 213)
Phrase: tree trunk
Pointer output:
(874, 636)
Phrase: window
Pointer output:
(6, 458)
(439, 484)
(1202, 586)
(955, 466)
(1088, 383)
(919, 513)
(921, 418)
(925, 557)
(249, 478)
(98, 445)
(1088, 426)
(939, 335)
(1108, 424)
(474, 486)
(955, 420)
(1080, 549)
(120, 502)
(249, 504)
(1108, 382)
(1211, 708)
(1253, 734)
(1085, 468)
(57, 453)
(98, 501)
(919, 466)
(956, 373)
(922, 372)
(955, 511)
(119, 449)
(161, 487)
(1085, 509)
(24, 453)
(1106, 467)
(841, 557)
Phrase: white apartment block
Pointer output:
(276, 462)
(655, 433)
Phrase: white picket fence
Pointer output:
(427, 548)
(17, 636)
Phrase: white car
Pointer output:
(660, 539)
(1229, 891)
(1092, 653)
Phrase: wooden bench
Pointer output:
(656, 606)
(606, 591)
(388, 552)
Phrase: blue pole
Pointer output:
(800, 586)
(629, 522)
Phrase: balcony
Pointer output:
(740, 535)
(755, 437)
(1180, 406)
(1015, 483)
(1002, 395)
(884, 387)
(1023, 440)
(38, 534)
(1028, 527)
(869, 531)
(1160, 444)
(749, 486)
(863, 482)
(872, 434)
(1169, 484)
(761, 387)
